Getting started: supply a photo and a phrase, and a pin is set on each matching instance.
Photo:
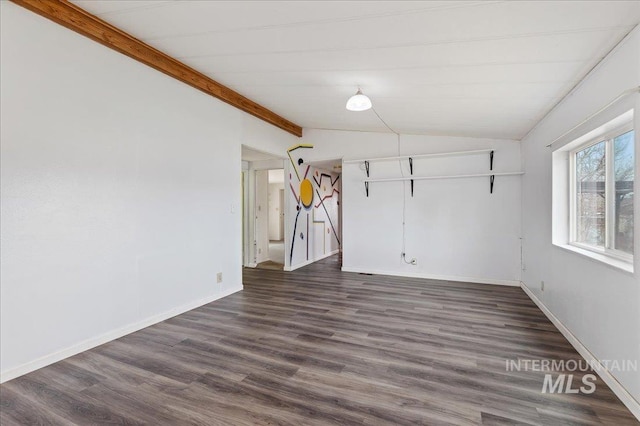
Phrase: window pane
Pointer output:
(590, 200)
(623, 165)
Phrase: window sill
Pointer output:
(602, 258)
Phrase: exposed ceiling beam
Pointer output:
(82, 22)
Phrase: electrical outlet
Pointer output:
(414, 261)
(542, 285)
(219, 277)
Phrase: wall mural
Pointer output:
(311, 188)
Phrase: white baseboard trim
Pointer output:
(107, 337)
(309, 262)
(627, 399)
(511, 283)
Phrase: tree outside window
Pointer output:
(604, 194)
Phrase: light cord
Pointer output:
(404, 190)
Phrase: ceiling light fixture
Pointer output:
(359, 102)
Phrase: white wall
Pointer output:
(262, 215)
(275, 233)
(276, 184)
(455, 228)
(120, 193)
(598, 303)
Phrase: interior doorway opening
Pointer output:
(263, 209)
(275, 219)
(314, 211)
(330, 200)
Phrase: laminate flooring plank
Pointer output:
(318, 346)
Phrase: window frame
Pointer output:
(608, 248)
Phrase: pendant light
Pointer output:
(359, 102)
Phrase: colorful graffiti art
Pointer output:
(304, 194)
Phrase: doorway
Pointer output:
(263, 209)
(275, 217)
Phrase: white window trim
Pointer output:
(597, 257)
(607, 250)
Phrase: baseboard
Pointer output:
(309, 262)
(627, 399)
(107, 337)
(511, 283)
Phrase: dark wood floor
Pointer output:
(318, 346)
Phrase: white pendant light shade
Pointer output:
(359, 102)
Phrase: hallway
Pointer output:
(276, 257)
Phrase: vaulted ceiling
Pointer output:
(486, 69)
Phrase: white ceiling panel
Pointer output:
(204, 26)
(547, 48)
(111, 7)
(488, 69)
(187, 18)
(523, 92)
(472, 74)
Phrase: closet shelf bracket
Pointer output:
(411, 171)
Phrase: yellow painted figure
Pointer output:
(306, 193)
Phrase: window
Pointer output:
(602, 177)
